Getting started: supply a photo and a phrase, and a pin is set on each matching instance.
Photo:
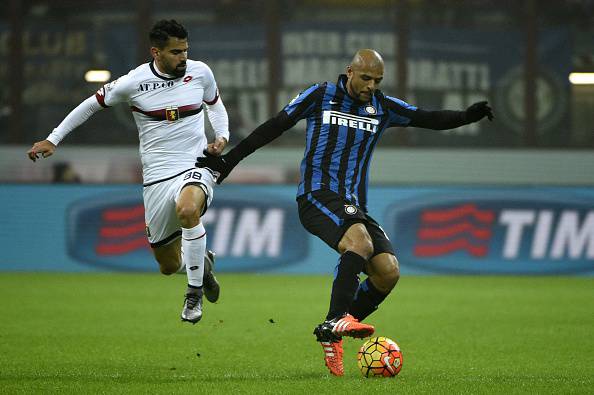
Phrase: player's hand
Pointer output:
(217, 147)
(44, 148)
(478, 111)
(220, 165)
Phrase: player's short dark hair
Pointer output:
(162, 30)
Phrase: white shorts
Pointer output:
(162, 225)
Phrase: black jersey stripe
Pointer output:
(331, 138)
(346, 153)
(358, 173)
(360, 181)
(362, 187)
(315, 128)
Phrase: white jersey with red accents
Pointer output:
(168, 112)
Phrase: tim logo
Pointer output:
(109, 232)
(351, 121)
(248, 233)
(480, 233)
(121, 230)
(458, 228)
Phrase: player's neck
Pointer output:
(159, 70)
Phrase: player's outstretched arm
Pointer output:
(261, 136)
(447, 119)
(43, 148)
(76, 117)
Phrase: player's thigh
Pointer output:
(195, 192)
(326, 215)
(162, 225)
(383, 261)
(379, 238)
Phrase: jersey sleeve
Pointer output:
(115, 92)
(211, 91)
(400, 112)
(303, 104)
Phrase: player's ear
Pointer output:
(154, 52)
(349, 71)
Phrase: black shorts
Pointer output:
(328, 215)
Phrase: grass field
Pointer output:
(120, 333)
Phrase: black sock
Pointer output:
(367, 299)
(346, 281)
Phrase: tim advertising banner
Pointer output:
(256, 228)
(249, 231)
(517, 231)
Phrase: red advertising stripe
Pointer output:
(434, 250)
(122, 231)
(123, 214)
(122, 248)
(454, 230)
(458, 212)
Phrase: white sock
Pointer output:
(182, 265)
(194, 246)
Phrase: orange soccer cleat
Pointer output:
(350, 326)
(333, 357)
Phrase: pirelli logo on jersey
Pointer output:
(350, 121)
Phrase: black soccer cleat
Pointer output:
(324, 332)
(347, 325)
(212, 289)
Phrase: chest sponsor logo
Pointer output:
(351, 121)
(503, 236)
(151, 86)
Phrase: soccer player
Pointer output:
(167, 97)
(344, 123)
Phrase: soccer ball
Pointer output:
(379, 357)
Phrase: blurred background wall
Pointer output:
(439, 54)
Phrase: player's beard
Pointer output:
(180, 70)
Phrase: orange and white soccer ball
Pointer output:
(379, 357)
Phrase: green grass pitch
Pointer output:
(120, 333)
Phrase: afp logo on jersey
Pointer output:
(481, 234)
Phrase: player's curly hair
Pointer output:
(164, 29)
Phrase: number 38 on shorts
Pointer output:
(192, 175)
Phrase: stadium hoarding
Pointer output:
(498, 231)
(248, 232)
(454, 230)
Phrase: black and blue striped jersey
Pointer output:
(341, 134)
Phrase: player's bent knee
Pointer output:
(167, 264)
(392, 275)
(358, 241)
(387, 276)
(166, 270)
(187, 214)
(364, 248)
